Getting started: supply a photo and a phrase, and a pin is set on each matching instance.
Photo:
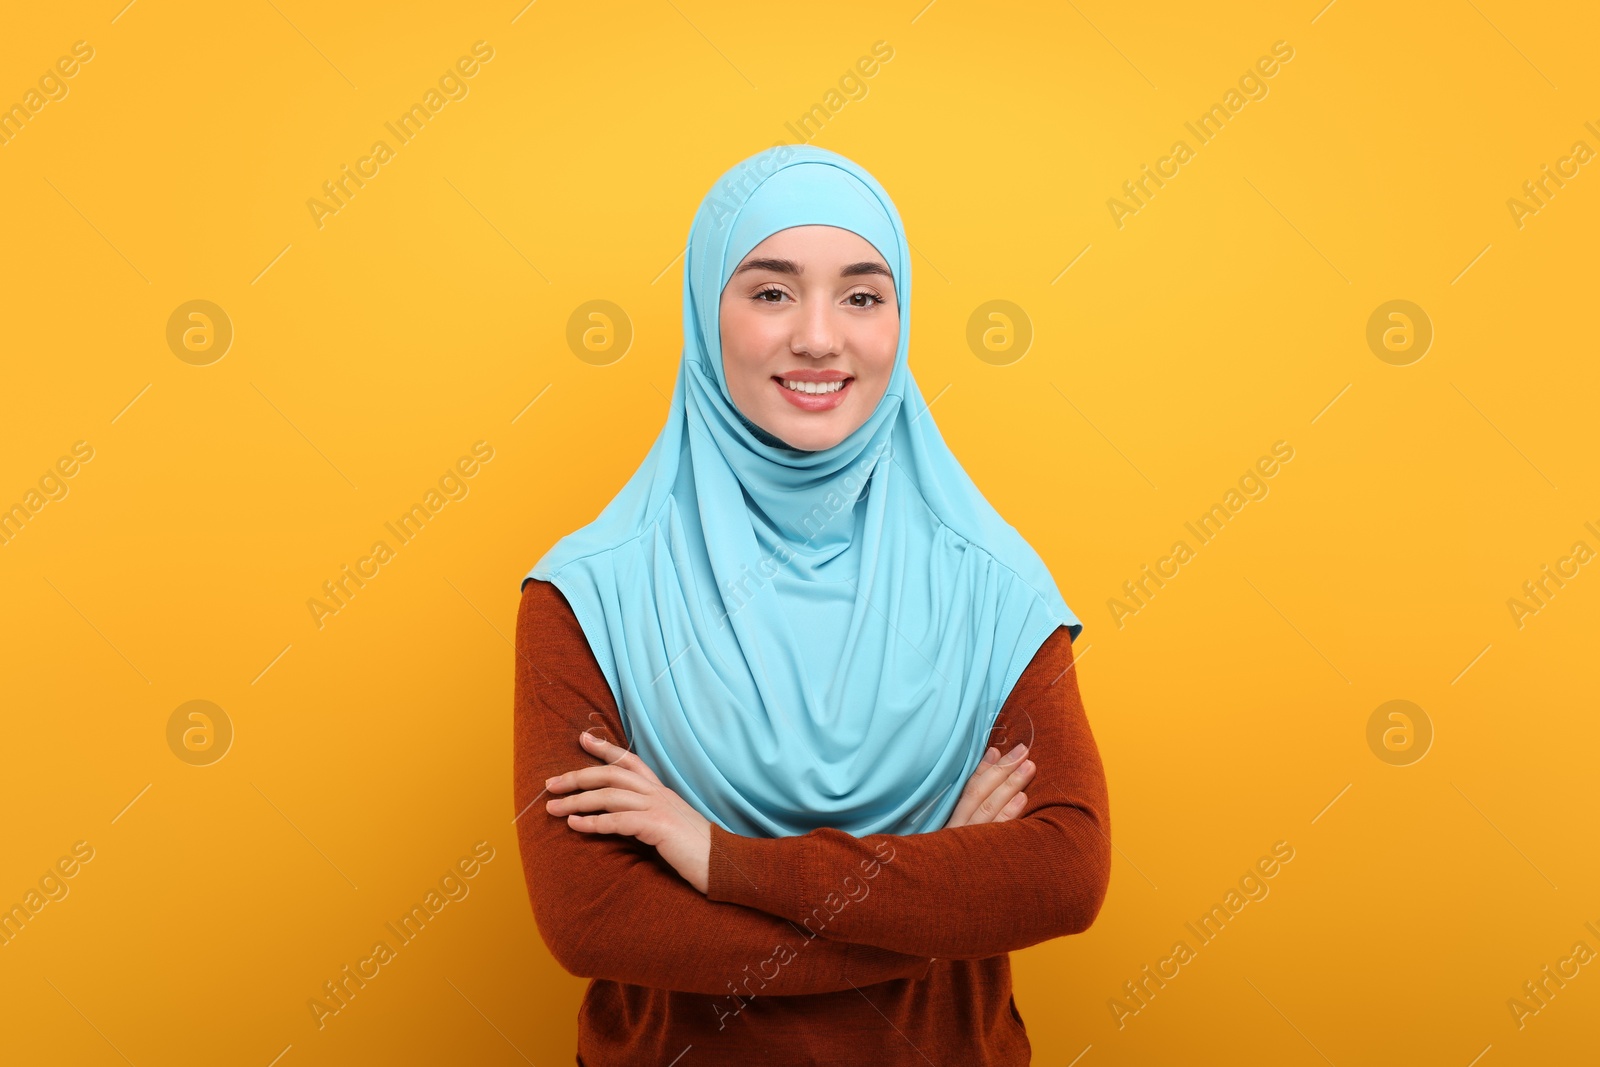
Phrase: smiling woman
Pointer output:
(809, 327)
(706, 772)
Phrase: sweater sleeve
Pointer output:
(965, 892)
(608, 906)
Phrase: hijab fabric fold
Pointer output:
(798, 639)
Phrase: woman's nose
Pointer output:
(814, 332)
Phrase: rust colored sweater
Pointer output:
(821, 949)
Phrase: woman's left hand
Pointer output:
(631, 800)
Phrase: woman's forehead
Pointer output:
(817, 242)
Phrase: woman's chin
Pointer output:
(813, 432)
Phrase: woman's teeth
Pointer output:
(813, 387)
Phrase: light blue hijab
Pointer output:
(803, 639)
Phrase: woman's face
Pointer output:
(811, 306)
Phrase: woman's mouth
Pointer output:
(813, 395)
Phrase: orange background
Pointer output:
(370, 754)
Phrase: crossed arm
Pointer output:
(835, 910)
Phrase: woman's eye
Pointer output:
(870, 296)
(764, 292)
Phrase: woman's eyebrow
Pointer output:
(789, 266)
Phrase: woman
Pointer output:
(754, 698)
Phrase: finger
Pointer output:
(616, 755)
(972, 792)
(627, 823)
(1003, 792)
(609, 799)
(988, 778)
(596, 777)
(978, 786)
(1013, 809)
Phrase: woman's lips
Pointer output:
(814, 401)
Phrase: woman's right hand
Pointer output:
(994, 792)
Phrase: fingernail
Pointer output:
(1027, 766)
(1019, 750)
(549, 783)
(991, 755)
